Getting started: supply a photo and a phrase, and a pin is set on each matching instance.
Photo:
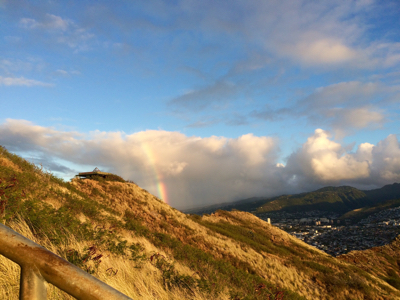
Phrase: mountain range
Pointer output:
(344, 200)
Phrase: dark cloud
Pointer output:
(49, 165)
(204, 122)
(269, 114)
(220, 92)
(237, 120)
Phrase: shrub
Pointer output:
(88, 261)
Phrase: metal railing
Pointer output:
(39, 265)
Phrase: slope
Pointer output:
(148, 250)
(336, 199)
(361, 213)
(382, 262)
(344, 199)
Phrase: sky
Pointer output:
(203, 102)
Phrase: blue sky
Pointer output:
(215, 100)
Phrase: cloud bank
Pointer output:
(200, 171)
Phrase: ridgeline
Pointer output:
(347, 201)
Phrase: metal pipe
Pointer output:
(38, 263)
(32, 284)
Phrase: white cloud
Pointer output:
(386, 160)
(323, 51)
(351, 93)
(64, 31)
(252, 149)
(21, 81)
(348, 106)
(196, 171)
(49, 22)
(328, 163)
(364, 152)
(61, 72)
(324, 161)
(11, 66)
(28, 23)
(360, 117)
(64, 73)
(327, 33)
(321, 161)
(200, 171)
(56, 22)
(313, 33)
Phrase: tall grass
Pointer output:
(145, 282)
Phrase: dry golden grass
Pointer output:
(270, 267)
(274, 268)
(137, 283)
(9, 164)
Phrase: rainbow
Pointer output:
(161, 186)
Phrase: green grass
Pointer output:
(338, 199)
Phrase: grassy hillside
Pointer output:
(336, 199)
(388, 192)
(383, 262)
(351, 202)
(133, 241)
(361, 213)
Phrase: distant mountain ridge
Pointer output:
(336, 199)
(340, 199)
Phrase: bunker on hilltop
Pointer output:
(96, 172)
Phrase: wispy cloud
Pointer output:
(64, 73)
(63, 31)
(49, 22)
(204, 122)
(21, 81)
(348, 105)
(237, 120)
(220, 93)
(344, 106)
(325, 33)
(10, 66)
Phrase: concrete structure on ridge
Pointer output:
(95, 172)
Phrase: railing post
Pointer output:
(32, 284)
(39, 264)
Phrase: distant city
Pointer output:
(326, 232)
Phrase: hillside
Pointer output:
(383, 262)
(336, 199)
(358, 214)
(349, 201)
(141, 246)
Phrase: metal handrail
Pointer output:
(39, 265)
